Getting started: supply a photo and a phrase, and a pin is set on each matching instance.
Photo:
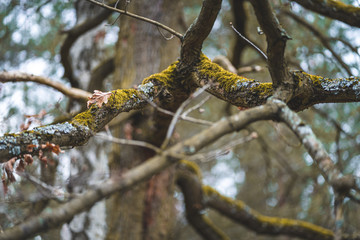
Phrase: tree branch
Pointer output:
(74, 93)
(239, 91)
(334, 9)
(314, 89)
(194, 203)
(276, 38)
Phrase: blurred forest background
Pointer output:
(269, 171)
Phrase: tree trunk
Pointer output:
(147, 211)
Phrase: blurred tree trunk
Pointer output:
(146, 211)
(85, 54)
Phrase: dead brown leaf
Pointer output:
(99, 98)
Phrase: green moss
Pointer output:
(84, 118)
(165, 78)
(192, 167)
(220, 234)
(121, 96)
(226, 79)
(231, 82)
(300, 76)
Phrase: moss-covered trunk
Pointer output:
(147, 211)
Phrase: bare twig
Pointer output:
(205, 157)
(185, 118)
(178, 113)
(193, 108)
(129, 142)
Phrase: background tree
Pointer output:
(262, 165)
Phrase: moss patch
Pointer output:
(165, 78)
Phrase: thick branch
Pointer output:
(74, 93)
(334, 9)
(244, 92)
(312, 89)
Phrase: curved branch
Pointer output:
(243, 214)
(74, 93)
(334, 9)
(198, 197)
(193, 199)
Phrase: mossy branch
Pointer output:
(334, 9)
(199, 197)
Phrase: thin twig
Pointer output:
(185, 118)
(202, 102)
(248, 41)
(111, 24)
(125, 12)
(206, 157)
(178, 114)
